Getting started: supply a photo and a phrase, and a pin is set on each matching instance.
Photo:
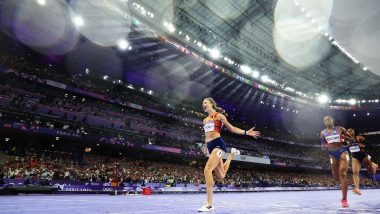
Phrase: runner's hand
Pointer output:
(253, 133)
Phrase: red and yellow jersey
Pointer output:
(212, 123)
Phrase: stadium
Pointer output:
(187, 106)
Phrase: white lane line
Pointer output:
(153, 211)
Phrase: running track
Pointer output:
(264, 202)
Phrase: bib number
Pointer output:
(354, 149)
(209, 127)
(333, 139)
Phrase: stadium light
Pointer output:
(41, 2)
(170, 27)
(245, 69)
(323, 98)
(105, 77)
(123, 44)
(215, 53)
(78, 21)
(265, 78)
(352, 101)
(255, 74)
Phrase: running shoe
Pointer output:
(206, 208)
(235, 151)
(344, 203)
(356, 191)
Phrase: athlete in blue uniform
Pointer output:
(332, 138)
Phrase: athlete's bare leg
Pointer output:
(343, 166)
(212, 163)
(356, 166)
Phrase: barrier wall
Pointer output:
(249, 159)
(78, 186)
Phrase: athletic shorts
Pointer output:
(359, 155)
(216, 143)
(338, 153)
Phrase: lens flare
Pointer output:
(297, 32)
(40, 26)
(103, 22)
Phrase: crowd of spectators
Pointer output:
(106, 169)
(155, 127)
(27, 63)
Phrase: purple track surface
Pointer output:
(265, 202)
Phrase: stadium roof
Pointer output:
(301, 53)
(246, 33)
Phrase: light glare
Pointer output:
(323, 98)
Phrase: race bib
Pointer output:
(354, 149)
(209, 127)
(333, 139)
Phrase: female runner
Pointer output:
(359, 156)
(216, 147)
(332, 138)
